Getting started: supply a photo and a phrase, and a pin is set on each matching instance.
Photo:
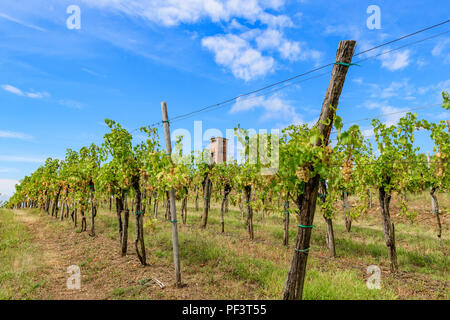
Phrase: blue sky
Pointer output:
(58, 85)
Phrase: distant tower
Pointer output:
(218, 146)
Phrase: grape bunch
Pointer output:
(303, 174)
(439, 165)
(347, 170)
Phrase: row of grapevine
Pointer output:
(137, 178)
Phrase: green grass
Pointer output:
(134, 292)
(18, 260)
(205, 252)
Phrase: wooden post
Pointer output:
(448, 125)
(173, 209)
(433, 206)
(307, 201)
(347, 218)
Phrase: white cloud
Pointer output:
(248, 17)
(421, 62)
(394, 115)
(372, 105)
(7, 187)
(275, 108)
(390, 114)
(246, 61)
(439, 87)
(71, 104)
(15, 135)
(175, 12)
(280, 21)
(272, 39)
(393, 90)
(358, 80)
(19, 92)
(269, 39)
(440, 50)
(12, 89)
(397, 89)
(395, 61)
(368, 133)
(442, 115)
(8, 170)
(235, 53)
(236, 25)
(290, 50)
(37, 95)
(435, 90)
(21, 159)
(5, 16)
(91, 72)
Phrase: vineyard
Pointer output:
(88, 186)
(332, 208)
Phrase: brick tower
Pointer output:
(218, 146)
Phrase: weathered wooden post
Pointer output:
(296, 276)
(433, 206)
(173, 209)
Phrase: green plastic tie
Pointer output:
(173, 221)
(436, 211)
(286, 203)
(347, 64)
(165, 121)
(206, 198)
(301, 250)
(138, 213)
(302, 226)
(168, 154)
(323, 195)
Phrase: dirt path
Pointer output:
(105, 274)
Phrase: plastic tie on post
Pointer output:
(138, 213)
(173, 221)
(302, 226)
(301, 250)
(347, 64)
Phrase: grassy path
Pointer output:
(37, 249)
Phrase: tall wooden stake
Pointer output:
(433, 206)
(448, 125)
(307, 201)
(173, 209)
